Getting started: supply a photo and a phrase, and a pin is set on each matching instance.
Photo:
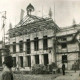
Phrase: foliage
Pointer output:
(75, 66)
(21, 72)
(52, 66)
(39, 69)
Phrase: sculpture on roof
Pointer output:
(29, 9)
(50, 13)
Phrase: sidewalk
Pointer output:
(69, 76)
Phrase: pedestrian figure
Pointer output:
(63, 69)
(7, 65)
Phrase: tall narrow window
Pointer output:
(28, 46)
(21, 46)
(14, 47)
(64, 58)
(29, 61)
(36, 46)
(14, 61)
(45, 44)
(37, 59)
(21, 61)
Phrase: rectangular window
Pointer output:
(46, 59)
(14, 61)
(14, 35)
(21, 46)
(36, 46)
(21, 61)
(14, 47)
(64, 58)
(29, 61)
(45, 43)
(37, 59)
(28, 46)
(64, 45)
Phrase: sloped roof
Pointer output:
(29, 19)
(31, 23)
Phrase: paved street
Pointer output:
(69, 76)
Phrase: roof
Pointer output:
(29, 19)
(76, 26)
(31, 23)
(68, 30)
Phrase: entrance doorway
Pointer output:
(45, 59)
(21, 61)
(29, 61)
(14, 61)
(36, 59)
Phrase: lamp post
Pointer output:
(78, 39)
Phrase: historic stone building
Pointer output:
(68, 45)
(36, 40)
(32, 41)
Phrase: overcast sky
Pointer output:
(65, 10)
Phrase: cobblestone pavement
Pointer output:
(69, 76)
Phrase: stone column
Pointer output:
(50, 58)
(26, 61)
(17, 47)
(24, 47)
(2, 57)
(53, 51)
(41, 59)
(32, 60)
(11, 48)
(18, 61)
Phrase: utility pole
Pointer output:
(55, 39)
(55, 45)
(4, 50)
(3, 27)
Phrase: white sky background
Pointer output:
(65, 11)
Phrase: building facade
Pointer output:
(68, 46)
(32, 42)
(36, 40)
